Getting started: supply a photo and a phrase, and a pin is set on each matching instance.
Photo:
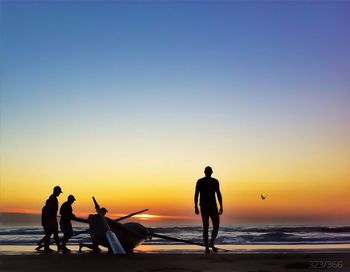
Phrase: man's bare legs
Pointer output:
(205, 221)
(215, 219)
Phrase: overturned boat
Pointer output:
(130, 235)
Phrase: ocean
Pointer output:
(228, 235)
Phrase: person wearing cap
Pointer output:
(103, 211)
(67, 215)
(49, 219)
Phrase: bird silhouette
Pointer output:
(263, 197)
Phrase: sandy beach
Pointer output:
(256, 262)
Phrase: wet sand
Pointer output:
(247, 262)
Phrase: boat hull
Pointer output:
(130, 235)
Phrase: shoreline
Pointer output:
(192, 249)
(239, 262)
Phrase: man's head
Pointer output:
(103, 211)
(208, 171)
(57, 190)
(71, 199)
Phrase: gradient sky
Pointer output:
(129, 101)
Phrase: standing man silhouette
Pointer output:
(49, 219)
(206, 188)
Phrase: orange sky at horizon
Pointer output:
(286, 201)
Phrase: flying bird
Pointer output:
(263, 197)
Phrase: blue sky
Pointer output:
(124, 45)
(231, 58)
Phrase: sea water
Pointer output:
(235, 238)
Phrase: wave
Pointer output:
(28, 231)
(227, 235)
(327, 229)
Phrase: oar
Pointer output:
(175, 239)
(113, 240)
(129, 215)
(80, 232)
(181, 240)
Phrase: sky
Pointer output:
(129, 101)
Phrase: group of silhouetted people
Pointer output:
(49, 221)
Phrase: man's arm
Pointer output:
(218, 193)
(196, 210)
(72, 215)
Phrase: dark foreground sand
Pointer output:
(257, 262)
